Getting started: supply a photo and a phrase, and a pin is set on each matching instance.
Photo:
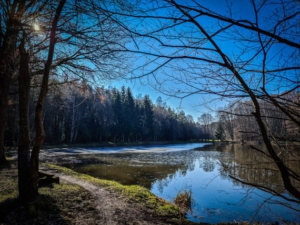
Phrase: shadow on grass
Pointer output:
(9, 163)
(56, 204)
(42, 211)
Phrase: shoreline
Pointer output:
(113, 144)
(119, 144)
(12, 151)
(82, 199)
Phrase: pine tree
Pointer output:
(148, 117)
(117, 113)
(130, 113)
(219, 133)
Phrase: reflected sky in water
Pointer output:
(216, 197)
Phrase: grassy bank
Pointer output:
(66, 203)
(57, 204)
(134, 193)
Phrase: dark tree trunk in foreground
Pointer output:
(5, 80)
(24, 131)
(39, 130)
(4, 89)
(7, 61)
(6, 64)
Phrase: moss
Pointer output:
(69, 203)
(5, 197)
(132, 192)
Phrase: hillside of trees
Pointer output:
(238, 123)
(78, 113)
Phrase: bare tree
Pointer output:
(89, 44)
(32, 185)
(227, 119)
(84, 49)
(198, 48)
(11, 13)
(206, 120)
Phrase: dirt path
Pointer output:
(113, 209)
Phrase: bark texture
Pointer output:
(39, 129)
(8, 55)
(24, 131)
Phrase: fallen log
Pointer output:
(46, 179)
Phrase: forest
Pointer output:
(78, 113)
(55, 54)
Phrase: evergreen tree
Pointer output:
(79, 114)
(148, 117)
(130, 113)
(220, 133)
(117, 113)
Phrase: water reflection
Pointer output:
(205, 172)
(142, 169)
(253, 167)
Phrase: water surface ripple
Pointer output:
(168, 170)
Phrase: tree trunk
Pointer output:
(39, 129)
(7, 52)
(73, 122)
(24, 131)
(4, 90)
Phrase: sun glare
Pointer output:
(36, 26)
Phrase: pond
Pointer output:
(205, 171)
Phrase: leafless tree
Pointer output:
(226, 53)
(11, 13)
(206, 120)
(66, 39)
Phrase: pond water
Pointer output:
(205, 172)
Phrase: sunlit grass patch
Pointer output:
(132, 192)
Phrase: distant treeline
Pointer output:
(78, 113)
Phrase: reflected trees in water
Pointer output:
(216, 175)
(250, 168)
(245, 53)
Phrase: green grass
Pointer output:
(69, 203)
(57, 204)
(8, 183)
(62, 204)
(132, 192)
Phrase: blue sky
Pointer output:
(194, 105)
(197, 104)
